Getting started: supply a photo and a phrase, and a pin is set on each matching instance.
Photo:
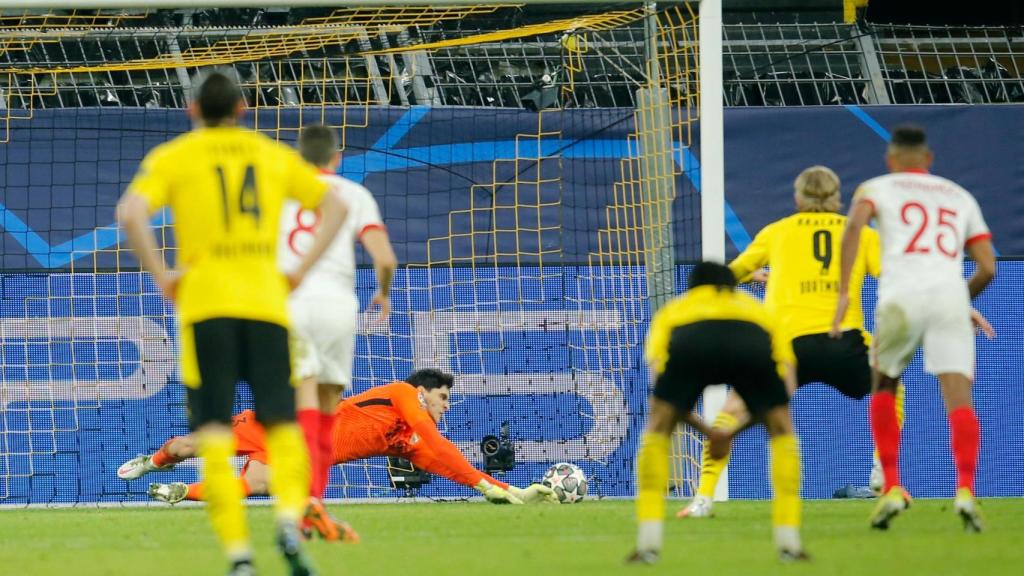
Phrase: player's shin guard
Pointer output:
(711, 468)
(326, 456)
(885, 429)
(965, 438)
(289, 459)
(309, 421)
(786, 484)
(652, 480)
(223, 494)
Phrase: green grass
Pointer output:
(477, 539)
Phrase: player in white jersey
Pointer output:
(925, 223)
(324, 308)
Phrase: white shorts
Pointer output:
(939, 323)
(324, 338)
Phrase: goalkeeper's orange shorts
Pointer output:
(250, 437)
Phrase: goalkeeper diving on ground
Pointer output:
(398, 419)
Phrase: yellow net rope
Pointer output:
(527, 251)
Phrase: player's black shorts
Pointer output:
(721, 352)
(840, 363)
(228, 350)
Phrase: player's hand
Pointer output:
(496, 494)
(760, 276)
(837, 320)
(168, 282)
(534, 493)
(384, 304)
(981, 324)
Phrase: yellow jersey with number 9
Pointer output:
(225, 187)
(803, 284)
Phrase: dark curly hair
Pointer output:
(431, 378)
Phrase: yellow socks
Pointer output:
(223, 493)
(711, 468)
(785, 481)
(290, 473)
(652, 481)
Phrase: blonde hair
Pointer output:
(817, 190)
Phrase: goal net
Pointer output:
(535, 165)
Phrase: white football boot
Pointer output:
(171, 493)
(138, 467)
(699, 507)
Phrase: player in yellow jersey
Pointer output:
(803, 252)
(226, 186)
(714, 334)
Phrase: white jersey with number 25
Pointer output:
(924, 221)
(336, 269)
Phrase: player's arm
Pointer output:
(753, 258)
(444, 458)
(985, 270)
(984, 257)
(979, 247)
(147, 193)
(450, 461)
(377, 244)
(860, 214)
(871, 251)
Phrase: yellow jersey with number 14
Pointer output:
(803, 285)
(225, 187)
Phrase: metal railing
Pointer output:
(765, 65)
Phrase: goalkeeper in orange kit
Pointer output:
(397, 419)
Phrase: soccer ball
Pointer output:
(568, 482)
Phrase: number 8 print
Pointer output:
(302, 227)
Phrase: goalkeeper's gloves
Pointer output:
(496, 494)
(534, 493)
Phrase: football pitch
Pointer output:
(587, 539)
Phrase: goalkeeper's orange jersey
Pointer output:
(803, 286)
(392, 420)
(388, 420)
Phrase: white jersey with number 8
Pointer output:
(324, 308)
(924, 221)
(336, 269)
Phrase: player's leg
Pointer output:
(307, 414)
(785, 474)
(328, 328)
(267, 368)
(652, 472)
(949, 354)
(767, 395)
(328, 397)
(307, 363)
(211, 354)
(845, 365)
(253, 482)
(317, 518)
(173, 451)
(876, 478)
(334, 340)
(898, 334)
(733, 415)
